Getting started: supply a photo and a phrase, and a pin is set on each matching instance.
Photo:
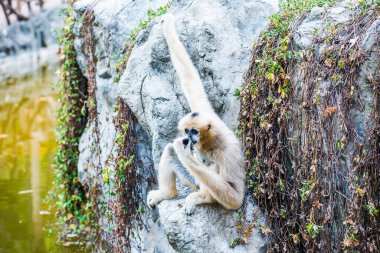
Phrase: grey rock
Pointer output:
(220, 53)
(209, 229)
(26, 46)
(218, 36)
(33, 34)
(318, 20)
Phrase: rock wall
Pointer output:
(311, 128)
(27, 45)
(219, 36)
(35, 33)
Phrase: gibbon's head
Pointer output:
(199, 130)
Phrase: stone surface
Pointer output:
(26, 46)
(219, 36)
(220, 52)
(210, 228)
(36, 33)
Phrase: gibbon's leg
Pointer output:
(166, 178)
(197, 198)
(169, 169)
(187, 73)
(221, 190)
(186, 181)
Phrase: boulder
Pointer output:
(218, 35)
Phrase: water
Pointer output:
(27, 148)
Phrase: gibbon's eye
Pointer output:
(186, 130)
(193, 131)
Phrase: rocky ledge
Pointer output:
(219, 36)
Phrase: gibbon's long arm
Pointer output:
(218, 187)
(188, 75)
(222, 191)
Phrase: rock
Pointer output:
(150, 85)
(218, 35)
(35, 33)
(326, 125)
(316, 22)
(209, 229)
(26, 46)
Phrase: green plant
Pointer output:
(237, 93)
(312, 229)
(306, 189)
(123, 203)
(371, 209)
(68, 196)
(296, 134)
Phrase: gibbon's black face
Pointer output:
(192, 137)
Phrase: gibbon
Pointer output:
(207, 148)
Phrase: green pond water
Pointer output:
(27, 148)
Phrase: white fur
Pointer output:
(222, 177)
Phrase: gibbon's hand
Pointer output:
(185, 142)
(184, 152)
(188, 143)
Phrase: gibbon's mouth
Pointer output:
(188, 141)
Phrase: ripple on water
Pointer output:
(27, 148)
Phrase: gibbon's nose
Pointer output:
(192, 139)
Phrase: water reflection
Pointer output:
(27, 146)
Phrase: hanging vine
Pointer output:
(314, 172)
(69, 196)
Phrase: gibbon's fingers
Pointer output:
(188, 75)
(184, 154)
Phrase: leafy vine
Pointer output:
(309, 167)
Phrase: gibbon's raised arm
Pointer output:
(188, 75)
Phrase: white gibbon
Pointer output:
(208, 149)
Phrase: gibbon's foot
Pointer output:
(156, 196)
(153, 198)
(189, 208)
(189, 205)
(192, 200)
